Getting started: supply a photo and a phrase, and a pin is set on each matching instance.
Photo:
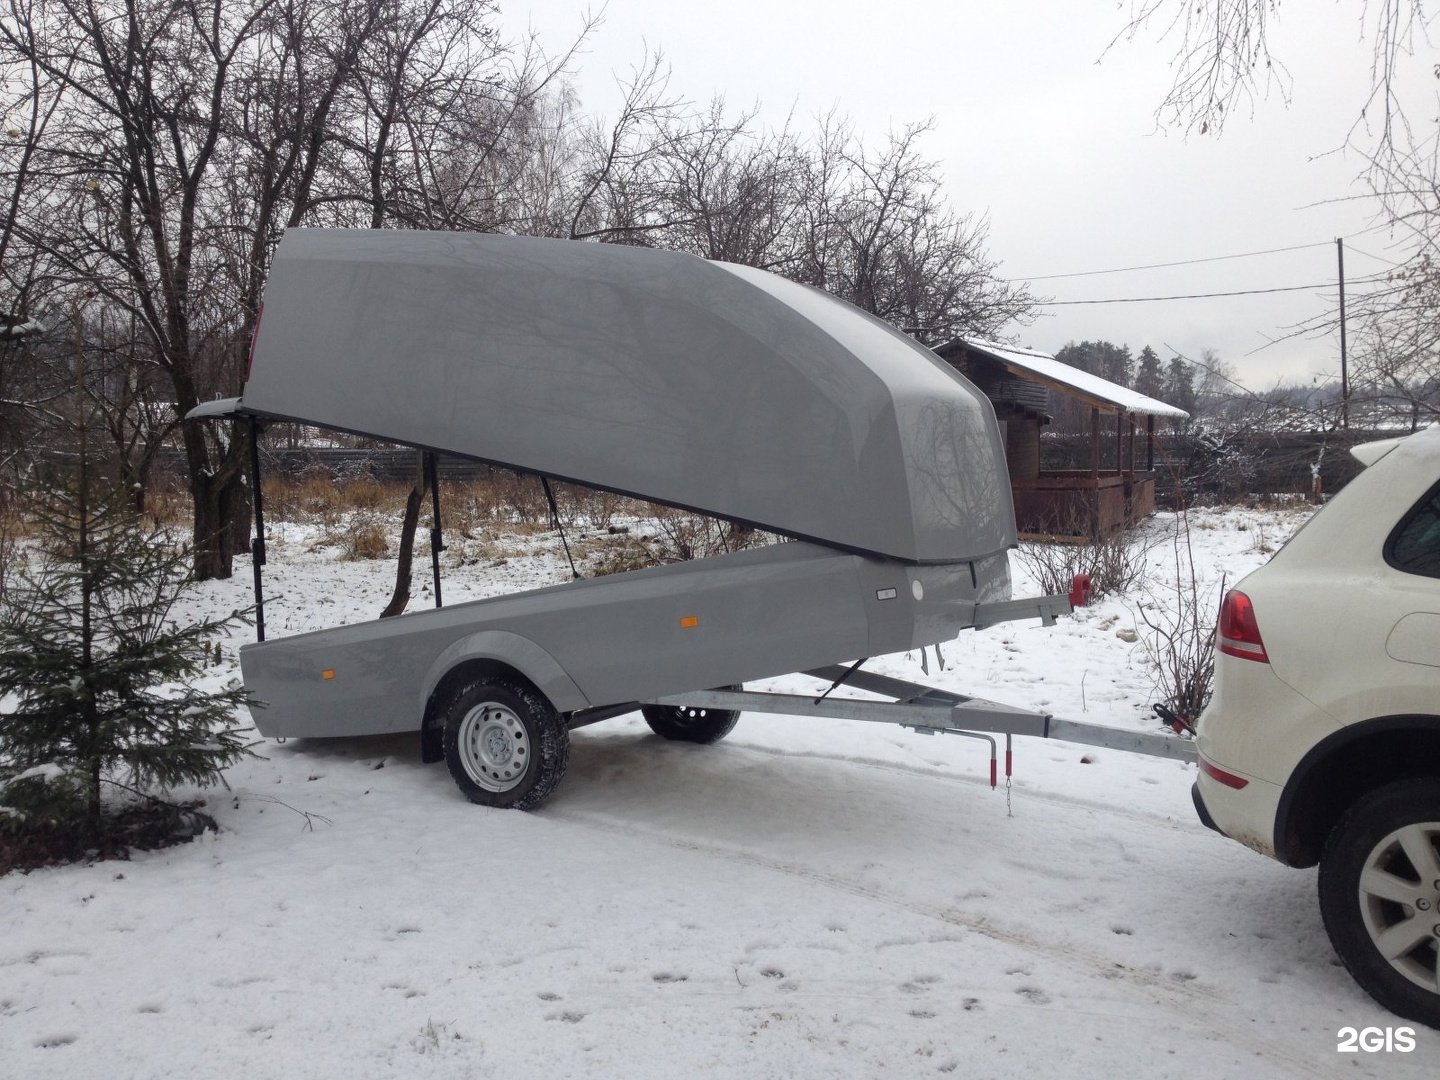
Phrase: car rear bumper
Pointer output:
(1200, 811)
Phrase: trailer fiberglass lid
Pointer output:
(700, 384)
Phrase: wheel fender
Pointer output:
(1342, 767)
(520, 653)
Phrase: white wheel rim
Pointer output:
(1400, 901)
(494, 746)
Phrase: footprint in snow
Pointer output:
(546, 995)
(920, 983)
(1034, 995)
(566, 1017)
(669, 977)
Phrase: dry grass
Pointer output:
(484, 518)
(365, 537)
(625, 553)
(168, 503)
(318, 498)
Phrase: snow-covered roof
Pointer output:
(1045, 369)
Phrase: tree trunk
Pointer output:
(401, 596)
(222, 523)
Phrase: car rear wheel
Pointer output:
(505, 745)
(1380, 896)
(687, 723)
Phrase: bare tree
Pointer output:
(189, 134)
(881, 235)
(1223, 59)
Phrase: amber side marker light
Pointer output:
(1220, 776)
(1239, 634)
(689, 622)
(328, 674)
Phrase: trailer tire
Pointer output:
(1379, 891)
(505, 744)
(686, 723)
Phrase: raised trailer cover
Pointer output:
(700, 384)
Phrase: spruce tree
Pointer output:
(1150, 375)
(99, 698)
(1180, 390)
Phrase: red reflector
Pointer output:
(1239, 634)
(1220, 776)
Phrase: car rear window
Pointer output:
(1415, 544)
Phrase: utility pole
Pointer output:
(1344, 371)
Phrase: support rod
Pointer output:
(437, 539)
(257, 542)
(1344, 370)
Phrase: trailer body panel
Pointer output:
(626, 637)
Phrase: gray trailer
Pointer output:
(706, 386)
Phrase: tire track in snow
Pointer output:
(1197, 1005)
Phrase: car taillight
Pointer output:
(1219, 775)
(1239, 633)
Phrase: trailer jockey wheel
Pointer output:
(505, 745)
(688, 723)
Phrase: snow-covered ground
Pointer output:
(807, 898)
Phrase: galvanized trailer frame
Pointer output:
(932, 711)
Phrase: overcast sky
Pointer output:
(1054, 139)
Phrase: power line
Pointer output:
(1200, 296)
(1377, 258)
(1181, 262)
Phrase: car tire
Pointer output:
(505, 744)
(687, 723)
(1380, 896)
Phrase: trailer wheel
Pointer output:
(505, 745)
(1379, 892)
(687, 723)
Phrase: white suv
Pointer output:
(1322, 741)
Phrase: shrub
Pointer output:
(364, 538)
(1115, 563)
(1179, 631)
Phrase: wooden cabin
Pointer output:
(1116, 491)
